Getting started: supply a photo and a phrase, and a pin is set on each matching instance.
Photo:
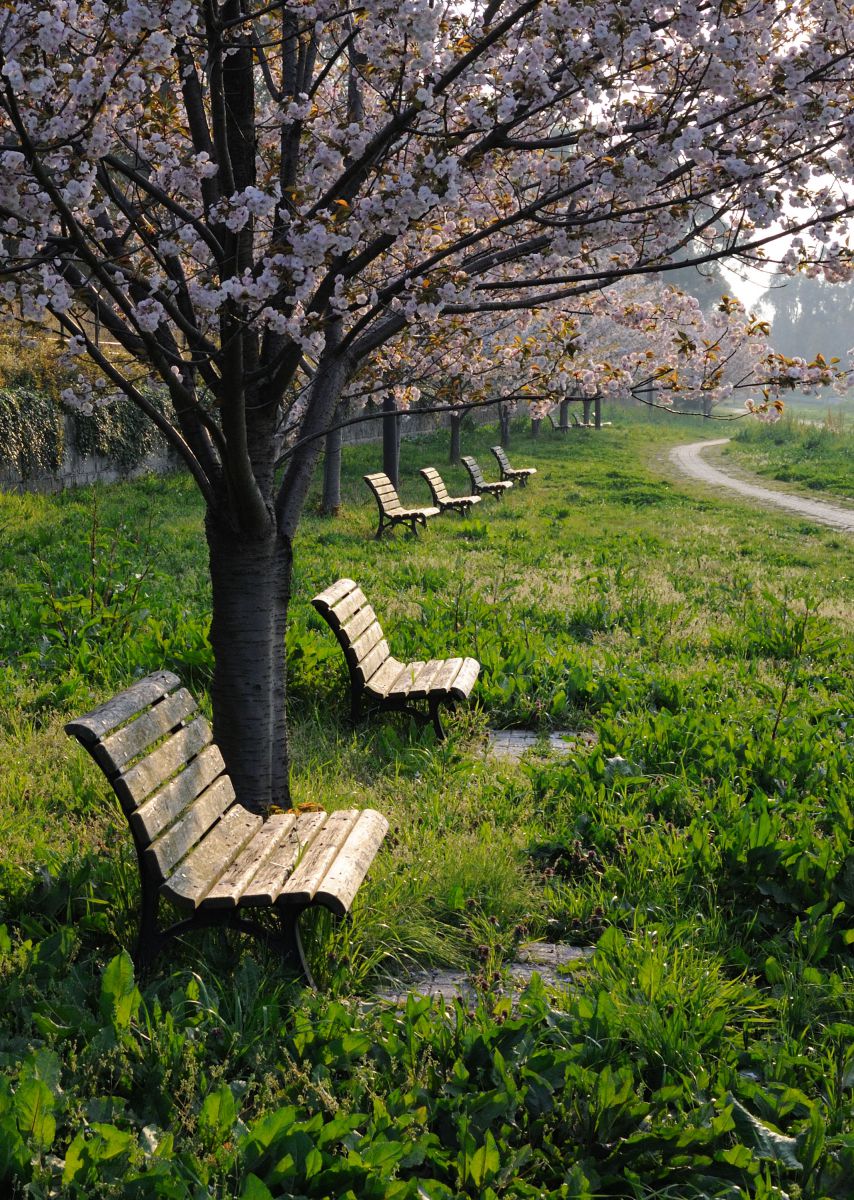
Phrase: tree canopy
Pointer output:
(255, 200)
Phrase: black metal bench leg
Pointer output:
(291, 943)
(149, 940)
(435, 718)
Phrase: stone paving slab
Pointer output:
(512, 744)
(540, 958)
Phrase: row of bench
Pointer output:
(392, 512)
(201, 850)
(216, 861)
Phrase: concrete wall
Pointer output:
(78, 470)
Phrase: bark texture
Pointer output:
(391, 440)
(331, 503)
(456, 422)
(250, 578)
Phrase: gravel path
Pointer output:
(688, 460)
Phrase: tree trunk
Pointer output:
(250, 578)
(391, 440)
(456, 422)
(586, 417)
(597, 412)
(504, 423)
(535, 426)
(563, 424)
(331, 503)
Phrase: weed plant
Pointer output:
(701, 848)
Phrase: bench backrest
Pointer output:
(353, 621)
(503, 461)
(473, 468)
(385, 492)
(160, 757)
(437, 484)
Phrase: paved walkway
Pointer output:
(513, 743)
(688, 460)
(543, 958)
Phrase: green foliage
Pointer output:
(701, 849)
(814, 454)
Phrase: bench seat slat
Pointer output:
(444, 678)
(404, 680)
(341, 881)
(466, 679)
(157, 767)
(363, 645)
(266, 884)
(359, 623)
(160, 810)
(212, 857)
(384, 677)
(116, 751)
(349, 606)
(106, 717)
(419, 689)
(229, 888)
(335, 593)
(372, 661)
(316, 861)
(166, 851)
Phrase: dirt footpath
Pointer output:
(688, 460)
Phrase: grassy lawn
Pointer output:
(702, 848)
(810, 453)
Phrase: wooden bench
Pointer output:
(197, 847)
(479, 484)
(378, 677)
(440, 495)
(392, 511)
(519, 475)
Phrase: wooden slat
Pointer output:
(346, 608)
(229, 888)
(212, 857)
(374, 660)
(165, 806)
(270, 879)
(164, 854)
(420, 686)
(118, 711)
(361, 648)
(404, 680)
(384, 677)
(445, 677)
(334, 593)
(358, 624)
(465, 679)
(342, 879)
(116, 752)
(157, 767)
(317, 859)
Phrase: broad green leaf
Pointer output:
(34, 1105)
(763, 1140)
(14, 1156)
(254, 1189)
(120, 997)
(485, 1162)
(218, 1112)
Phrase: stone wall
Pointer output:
(79, 470)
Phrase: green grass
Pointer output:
(703, 846)
(814, 453)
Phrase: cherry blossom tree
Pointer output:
(252, 199)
